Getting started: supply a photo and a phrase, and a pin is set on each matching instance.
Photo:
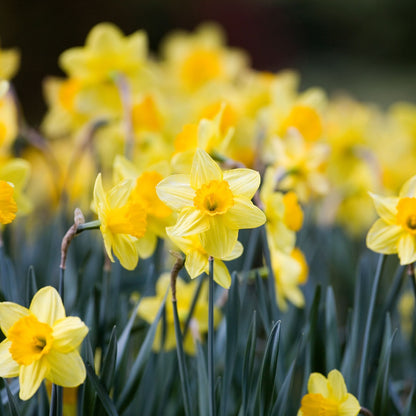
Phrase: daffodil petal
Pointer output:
(176, 192)
(295, 295)
(10, 313)
(104, 37)
(204, 169)
(65, 369)
(196, 263)
(221, 274)
(190, 221)
(349, 407)
(146, 245)
(30, 377)
(318, 384)
(47, 305)
(237, 252)
(125, 248)
(68, 334)
(409, 188)
(244, 214)
(244, 182)
(219, 240)
(119, 194)
(99, 194)
(386, 207)
(383, 238)
(148, 308)
(8, 367)
(337, 383)
(406, 249)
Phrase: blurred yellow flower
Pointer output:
(185, 292)
(123, 221)
(41, 342)
(328, 396)
(212, 203)
(106, 52)
(395, 230)
(8, 206)
(9, 63)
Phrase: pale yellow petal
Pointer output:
(196, 263)
(66, 370)
(104, 37)
(119, 194)
(386, 207)
(190, 221)
(244, 214)
(68, 334)
(237, 252)
(17, 172)
(383, 238)
(99, 194)
(409, 188)
(10, 313)
(350, 407)
(30, 378)
(176, 192)
(8, 367)
(406, 249)
(204, 169)
(108, 242)
(295, 296)
(146, 245)
(318, 384)
(244, 182)
(126, 250)
(219, 240)
(221, 274)
(337, 385)
(47, 305)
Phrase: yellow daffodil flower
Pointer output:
(212, 203)
(197, 259)
(41, 342)
(8, 206)
(9, 63)
(328, 396)
(123, 221)
(395, 230)
(106, 51)
(185, 292)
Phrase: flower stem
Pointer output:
(211, 338)
(366, 341)
(412, 277)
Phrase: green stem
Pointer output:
(192, 308)
(366, 341)
(91, 225)
(211, 338)
(411, 274)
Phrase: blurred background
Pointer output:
(363, 47)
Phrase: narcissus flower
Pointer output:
(328, 396)
(41, 342)
(212, 203)
(197, 259)
(123, 221)
(395, 230)
(8, 206)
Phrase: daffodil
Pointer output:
(197, 259)
(212, 203)
(185, 293)
(122, 222)
(8, 206)
(41, 342)
(395, 230)
(328, 396)
(9, 63)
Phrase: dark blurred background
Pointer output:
(365, 47)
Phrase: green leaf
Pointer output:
(202, 381)
(283, 397)
(134, 375)
(13, 408)
(101, 391)
(333, 349)
(31, 286)
(87, 392)
(109, 361)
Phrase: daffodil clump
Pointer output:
(230, 208)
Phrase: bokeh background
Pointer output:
(364, 47)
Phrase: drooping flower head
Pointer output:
(212, 203)
(328, 396)
(41, 342)
(123, 221)
(395, 230)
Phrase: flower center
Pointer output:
(406, 214)
(30, 340)
(128, 219)
(214, 197)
